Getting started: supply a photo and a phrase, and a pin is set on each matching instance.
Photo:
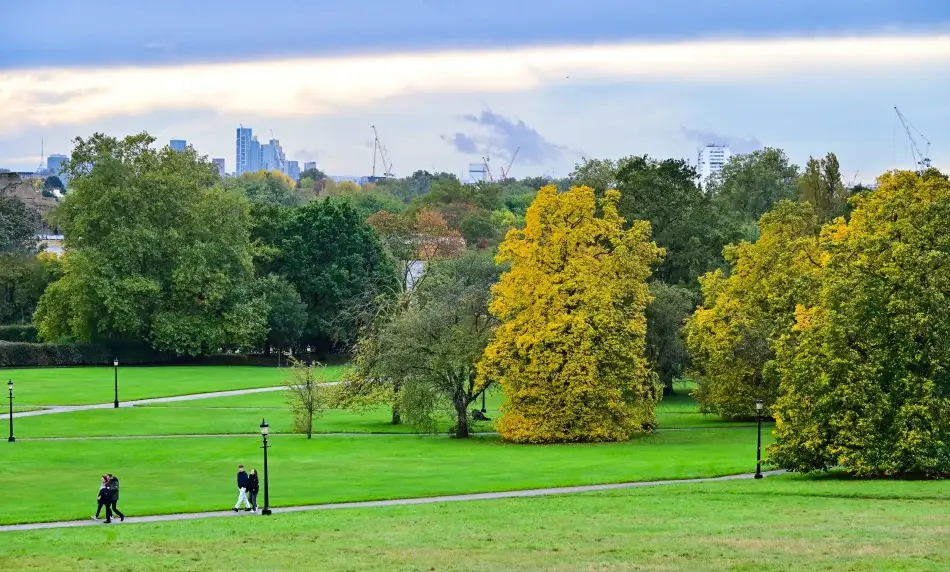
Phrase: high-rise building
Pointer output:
(309, 165)
(178, 144)
(255, 160)
(219, 161)
(54, 166)
(245, 153)
(477, 172)
(272, 156)
(711, 160)
(293, 170)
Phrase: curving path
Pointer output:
(52, 409)
(386, 503)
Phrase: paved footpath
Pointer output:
(175, 398)
(385, 503)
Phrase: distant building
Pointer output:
(244, 156)
(711, 160)
(309, 165)
(54, 166)
(477, 172)
(178, 144)
(272, 156)
(219, 161)
(293, 170)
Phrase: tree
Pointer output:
(431, 347)
(155, 252)
(411, 238)
(308, 395)
(337, 264)
(17, 225)
(312, 174)
(23, 279)
(665, 349)
(864, 369)
(749, 185)
(821, 186)
(286, 312)
(267, 187)
(731, 338)
(569, 353)
(53, 182)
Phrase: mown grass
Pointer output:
(777, 524)
(90, 385)
(189, 474)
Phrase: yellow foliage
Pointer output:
(570, 351)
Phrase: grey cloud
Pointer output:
(502, 137)
(737, 144)
(305, 156)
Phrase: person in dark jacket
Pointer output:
(103, 499)
(242, 479)
(112, 489)
(253, 485)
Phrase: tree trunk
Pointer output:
(461, 429)
(397, 420)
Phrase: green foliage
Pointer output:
(54, 182)
(424, 354)
(338, 266)
(864, 370)
(155, 252)
(368, 203)
(286, 312)
(19, 333)
(307, 394)
(732, 337)
(665, 348)
(17, 225)
(570, 351)
(751, 184)
(821, 186)
(23, 279)
(267, 187)
(313, 175)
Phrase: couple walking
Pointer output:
(109, 498)
(247, 490)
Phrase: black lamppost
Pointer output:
(759, 404)
(11, 438)
(266, 509)
(115, 369)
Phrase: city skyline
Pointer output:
(607, 79)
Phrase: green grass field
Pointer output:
(90, 385)
(189, 474)
(779, 524)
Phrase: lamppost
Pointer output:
(759, 404)
(266, 509)
(115, 369)
(11, 438)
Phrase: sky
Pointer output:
(449, 82)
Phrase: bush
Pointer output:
(19, 333)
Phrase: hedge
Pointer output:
(19, 333)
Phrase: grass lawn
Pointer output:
(188, 474)
(90, 385)
(777, 524)
(242, 414)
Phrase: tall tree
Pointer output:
(154, 252)
(864, 369)
(745, 311)
(433, 345)
(666, 313)
(18, 224)
(267, 187)
(821, 186)
(569, 353)
(337, 264)
(751, 184)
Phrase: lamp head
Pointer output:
(264, 427)
(759, 404)
(10, 385)
(115, 362)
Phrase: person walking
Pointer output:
(103, 499)
(242, 480)
(112, 489)
(253, 485)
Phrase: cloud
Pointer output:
(305, 156)
(736, 144)
(504, 137)
(299, 87)
(463, 143)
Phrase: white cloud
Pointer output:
(322, 86)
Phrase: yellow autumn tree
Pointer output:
(569, 353)
(731, 337)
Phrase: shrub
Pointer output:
(19, 333)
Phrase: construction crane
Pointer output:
(506, 170)
(383, 156)
(488, 169)
(921, 160)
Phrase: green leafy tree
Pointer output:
(569, 353)
(336, 262)
(432, 346)
(821, 186)
(23, 279)
(268, 187)
(286, 312)
(751, 184)
(864, 369)
(155, 252)
(665, 347)
(307, 394)
(18, 224)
